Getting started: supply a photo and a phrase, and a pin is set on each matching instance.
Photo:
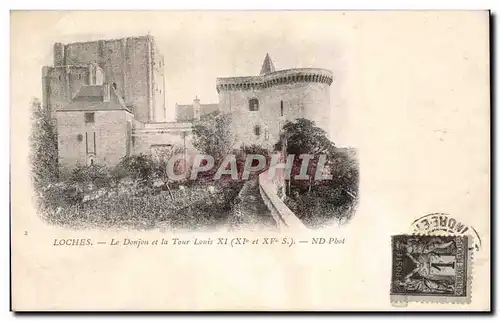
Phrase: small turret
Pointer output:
(267, 65)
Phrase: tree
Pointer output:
(213, 136)
(161, 158)
(43, 145)
(345, 171)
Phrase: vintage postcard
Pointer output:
(250, 160)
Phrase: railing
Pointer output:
(269, 187)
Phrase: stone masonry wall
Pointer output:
(134, 65)
(309, 100)
(112, 138)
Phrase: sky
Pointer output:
(198, 46)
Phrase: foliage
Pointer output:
(303, 137)
(345, 171)
(255, 150)
(316, 210)
(43, 145)
(191, 208)
(148, 168)
(329, 199)
(96, 175)
(160, 161)
(319, 201)
(60, 195)
(137, 167)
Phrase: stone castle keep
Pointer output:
(107, 101)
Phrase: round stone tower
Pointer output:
(260, 105)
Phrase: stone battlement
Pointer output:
(280, 77)
(160, 128)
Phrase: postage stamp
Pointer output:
(431, 269)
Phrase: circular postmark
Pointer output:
(445, 224)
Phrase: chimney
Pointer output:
(196, 108)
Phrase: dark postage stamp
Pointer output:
(430, 268)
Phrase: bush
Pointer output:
(317, 211)
(58, 196)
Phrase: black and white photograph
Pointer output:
(250, 160)
(108, 152)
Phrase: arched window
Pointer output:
(253, 104)
(114, 85)
(281, 108)
(256, 130)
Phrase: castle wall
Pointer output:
(161, 134)
(71, 146)
(113, 136)
(60, 84)
(80, 53)
(137, 81)
(59, 55)
(143, 142)
(158, 75)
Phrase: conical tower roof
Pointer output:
(267, 65)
